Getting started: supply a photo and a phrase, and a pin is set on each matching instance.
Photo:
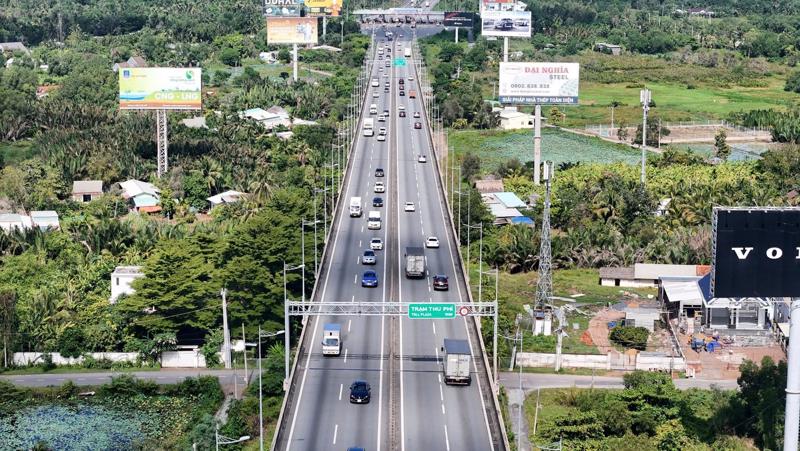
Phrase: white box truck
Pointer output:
(374, 220)
(332, 339)
(407, 52)
(415, 262)
(369, 126)
(456, 362)
(355, 207)
(373, 109)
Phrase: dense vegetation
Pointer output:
(54, 286)
(650, 413)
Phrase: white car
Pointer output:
(376, 244)
(422, 159)
(409, 206)
(381, 138)
(432, 241)
(382, 131)
(375, 95)
(410, 78)
(379, 187)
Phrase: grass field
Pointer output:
(495, 146)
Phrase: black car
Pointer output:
(402, 114)
(401, 81)
(359, 392)
(417, 124)
(440, 283)
(377, 202)
(402, 93)
(379, 172)
(385, 90)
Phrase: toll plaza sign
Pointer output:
(430, 310)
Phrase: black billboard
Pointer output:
(458, 19)
(756, 253)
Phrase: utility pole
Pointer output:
(544, 287)
(792, 416)
(644, 98)
(244, 347)
(226, 340)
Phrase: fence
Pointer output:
(645, 361)
(169, 359)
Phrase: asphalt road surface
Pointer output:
(432, 415)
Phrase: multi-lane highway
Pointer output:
(411, 408)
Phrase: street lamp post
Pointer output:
(260, 398)
(308, 223)
(480, 258)
(496, 273)
(222, 440)
(324, 211)
(288, 335)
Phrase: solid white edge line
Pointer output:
(314, 321)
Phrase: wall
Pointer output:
(646, 362)
(30, 358)
(183, 359)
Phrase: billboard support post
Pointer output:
(537, 143)
(162, 142)
(324, 25)
(456, 35)
(294, 62)
(644, 97)
(792, 415)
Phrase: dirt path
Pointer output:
(598, 329)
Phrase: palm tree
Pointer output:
(211, 172)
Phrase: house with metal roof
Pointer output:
(121, 280)
(746, 313)
(14, 46)
(144, 197)
(228, 197)
(504, 207)
(86, 190)
(485, 186)
(681, 294)
(13, 221)
(647, 274)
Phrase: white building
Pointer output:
(47, 219)
(511, 119)
(647, 274)
(121, 280)
(86, 190)
(504, 207)
(228, 197)
(11, 221)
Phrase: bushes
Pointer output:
(630, 337)
(126, 386)
(70, 343)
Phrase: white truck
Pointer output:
(456, 362)
(407, 52)
(355, 207)
(332, 339)
(415, 262)
(374, 220)
(369, 127)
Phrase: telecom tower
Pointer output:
(544, 287)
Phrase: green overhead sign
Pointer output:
(399, 62)
(428, 310)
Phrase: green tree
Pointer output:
(195, 190)
(470, 166)
(230, 57)
(721, 148)
(555, 116)
(211, 347)
(71, 342)
(630, 337)
(761, 402)
(793, 82)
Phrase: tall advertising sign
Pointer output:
(497, 5)
(323, 7)
(160, 88)
(539, 83)
(458, 19)
(756, 252)
(291, 30)
(283, 8)
(513, 24)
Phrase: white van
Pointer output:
(373, 109)
(355, 207)
(375, 83)
(374, 220)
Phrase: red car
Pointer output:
(417, 124)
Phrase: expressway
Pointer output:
(411, 408)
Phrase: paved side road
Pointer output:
(162, 377)
(531, 381)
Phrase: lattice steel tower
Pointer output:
(544, 287)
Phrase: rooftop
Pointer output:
(489, 186)
(87, 186)
(128, 270)
(616, 273)
(133, 188)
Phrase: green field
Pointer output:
(494, 147)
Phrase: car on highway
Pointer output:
(416, 114)
(369, 279)
(402, 113)
(401, 81)
(402, 93)
(379, 172)
(376, 244)
(410, 78)
(386, 113)
(377, 202)
(417, 125)
(388, 64)
(432, 242)
(409, 206)
(422, 159)
(382, 131)
(381, 118)
(359, 392)
(369, 257)
(379, 187)
(386, 90)
(440, 282)
(355, 449)
(375, 94)
(381, 138)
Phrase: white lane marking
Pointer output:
(446, 438)
(341, 388)
(355, 279)
(314, 321)
(358, 259)
(349, 321)
(353, 299)
(434, 327)
(335, 432)
(359, 243)
(362, 228)
(440, 375)
(437, 358)
(441, 393)
(443, 411)
(345, 355)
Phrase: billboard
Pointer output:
(323, 7)
(160, 88)
(516, 24)
(539, 83)
(283, 8)
(291, 30)
(756, 252)
(497, 5)
(458, 19)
